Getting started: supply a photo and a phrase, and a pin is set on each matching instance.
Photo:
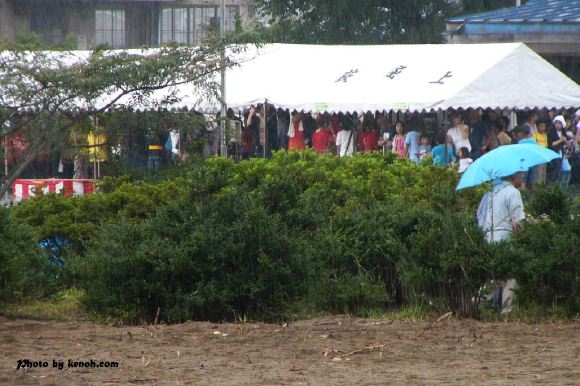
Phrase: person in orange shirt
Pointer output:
(296, 132)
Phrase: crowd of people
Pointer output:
(455, 143)
(467, 136)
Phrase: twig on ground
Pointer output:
(446, 316)
(369, 348)
(340, 353)
(389, 322)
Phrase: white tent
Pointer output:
(387, 77)
(396, 77)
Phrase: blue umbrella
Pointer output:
(505, 161)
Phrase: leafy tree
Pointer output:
(364, 21)
(42, 90)
(360, 22)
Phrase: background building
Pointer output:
(120, 23)
(549, 27)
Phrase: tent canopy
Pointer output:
(399, 77)
(380, 77)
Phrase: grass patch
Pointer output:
(65, 306)
(412, 313)
(530, 314)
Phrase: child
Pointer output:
(399, 140)
(424, 147)
(443, 152)
(464, 160)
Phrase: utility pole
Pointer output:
(223, 121)
(6, 155)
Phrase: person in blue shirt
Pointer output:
(412, 145)
(443, 152)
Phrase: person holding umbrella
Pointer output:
(501, 211)
(500, 215)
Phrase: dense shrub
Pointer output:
(229, 240)
(551, 201)
(227, 260)
(544, 257)
(256, 236)
(447, 261)
(76, 219)
(413, 253)
(25, 272)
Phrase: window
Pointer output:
(190, 25)
(231, 12)
(176, 25)
(204, 17)
(110, 27)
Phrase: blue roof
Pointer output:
(534, 11)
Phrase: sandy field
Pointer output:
(327, 351)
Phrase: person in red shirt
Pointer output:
(247, 144)
(368, 140)
(321, 139)
(296, 133)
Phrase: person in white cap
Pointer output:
(557, 141)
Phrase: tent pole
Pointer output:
(6, 150)
(265, 129)
(513, 119)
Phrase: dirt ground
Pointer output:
(326, 351)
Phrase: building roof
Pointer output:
(534, 11)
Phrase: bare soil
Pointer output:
(326, 351)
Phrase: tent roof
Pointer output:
(388, 77)
(399, 77)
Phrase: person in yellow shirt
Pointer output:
(540, 135)
(541, 139)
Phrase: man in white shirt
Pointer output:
(499, 215)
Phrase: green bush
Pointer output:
(229, 240)
(25, 272)
(448, 261)
(76, 219)
(346, 235)
(414, 254)
(227, 260)
(544, 257)
(544, 260)
(551, 201)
